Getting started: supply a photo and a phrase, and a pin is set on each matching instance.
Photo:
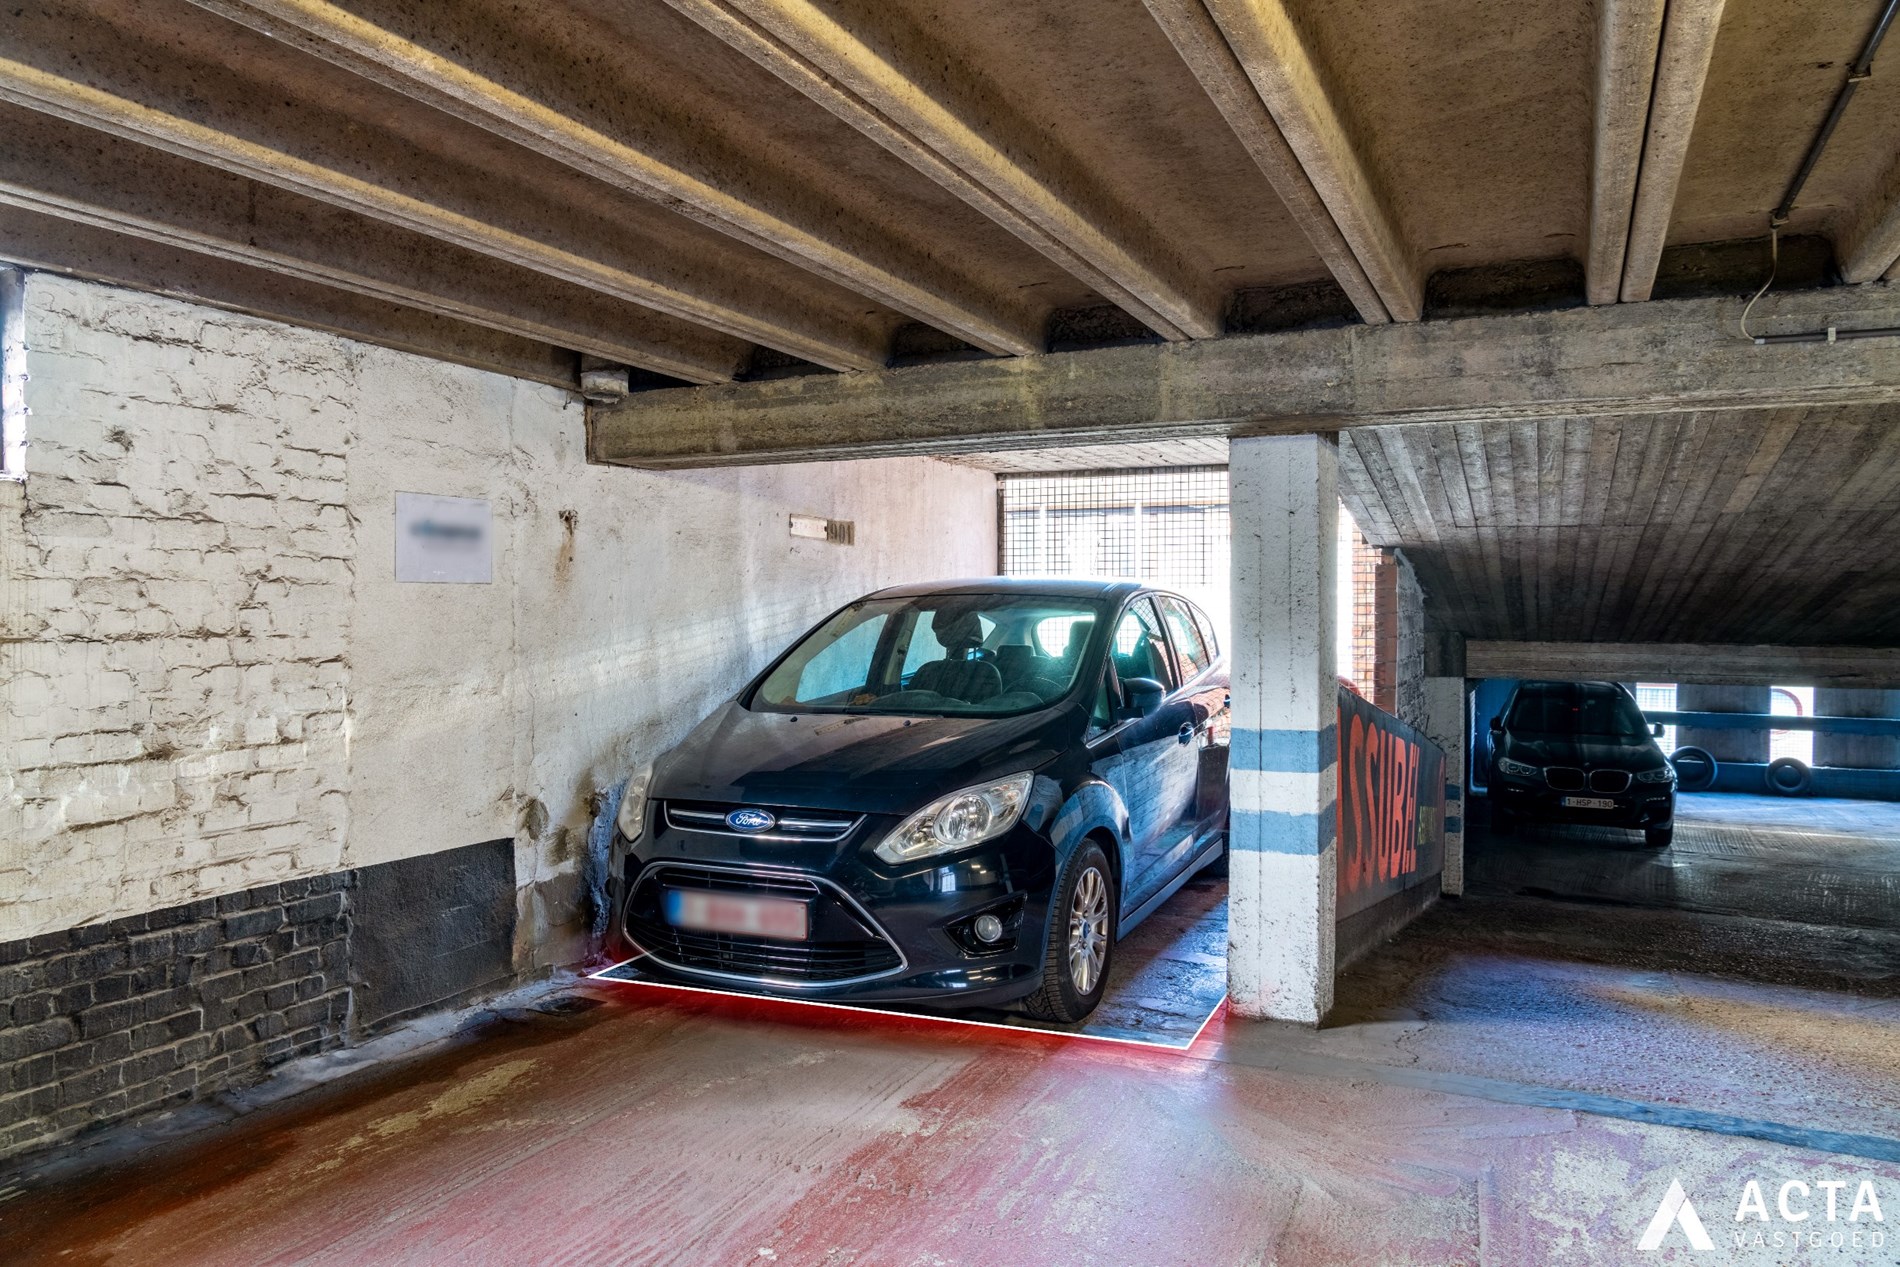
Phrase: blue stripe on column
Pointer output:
(1454, 823)
(1270, 831)
(1284, 751)
(1454, 791)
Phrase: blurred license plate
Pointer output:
(747, 916)
(1588, 802)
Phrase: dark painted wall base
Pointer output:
(1359, 933)
(106, 1021)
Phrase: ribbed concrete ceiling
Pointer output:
(709, 189)
(1766, 527)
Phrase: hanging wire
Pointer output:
(1774, 262)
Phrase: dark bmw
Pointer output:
(958, 794)
(1580, 751)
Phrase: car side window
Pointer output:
(1191, 654)
(1140, 648)
(1209, 638)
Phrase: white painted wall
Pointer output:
(210, 680)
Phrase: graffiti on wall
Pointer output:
(1391, 806)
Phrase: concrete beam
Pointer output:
(1868, 245)
(894, 87)
(1292, 85)
(94, 75)
(1712, 664)
(1663, 357)
(55, 168)
(1198, 39)
(1628, 33)
(80, 250)
(597, 127)
(1682, 68)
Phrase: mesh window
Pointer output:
(1167, 526)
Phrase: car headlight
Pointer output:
(961, 819)
(1663, 775)
(632, 819)
(1518, 768)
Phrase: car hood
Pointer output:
(872, 764)
(1593, 752)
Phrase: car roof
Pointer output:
(1598, 688)
(1050, 587)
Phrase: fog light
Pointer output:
(988, 928)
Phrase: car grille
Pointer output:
(1564, 778)
(845, 945)
(1609, 780)
(816, 825)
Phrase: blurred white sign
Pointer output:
(444, 539)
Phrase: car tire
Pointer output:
(1082, 922)
(1701, 769)
(1658, 837)
(1788, 776)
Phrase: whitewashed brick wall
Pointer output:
(209, 679)
(176, 658)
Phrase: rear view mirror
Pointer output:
(1143, 695)
(1655, 728)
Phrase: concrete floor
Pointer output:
(1514, 1081)
(1816, 861)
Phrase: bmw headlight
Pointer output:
(1662, 775)
(632, 819)
(1518, 768)
(959, 820)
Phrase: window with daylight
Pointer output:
(1659, 697)
(1167, 526)
(1791, 701)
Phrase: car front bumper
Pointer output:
(879, 934)
(1642, 806)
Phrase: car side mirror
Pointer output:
(1497, 724)
(1143, 694)
(1655, 729)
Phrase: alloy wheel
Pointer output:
(1088, 930)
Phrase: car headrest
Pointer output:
(1013, 659)
(959, 632)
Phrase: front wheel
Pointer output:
(1081, 940)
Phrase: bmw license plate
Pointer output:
(746, 916)
(1588, 802)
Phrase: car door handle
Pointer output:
(1186, 733)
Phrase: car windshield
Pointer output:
(1570, 709)
(962, 655)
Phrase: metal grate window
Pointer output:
(1166, 526)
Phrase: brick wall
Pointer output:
(1398, 641)
(111, 1020)
(175, 611)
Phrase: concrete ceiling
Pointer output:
(1772, 526)
(711, 189)
(983, 228)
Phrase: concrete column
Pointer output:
(1856, 752)
(1445, 726)
(1284, 847)
(1724, 745)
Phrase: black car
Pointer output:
(958, 794)
(1580, 751)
